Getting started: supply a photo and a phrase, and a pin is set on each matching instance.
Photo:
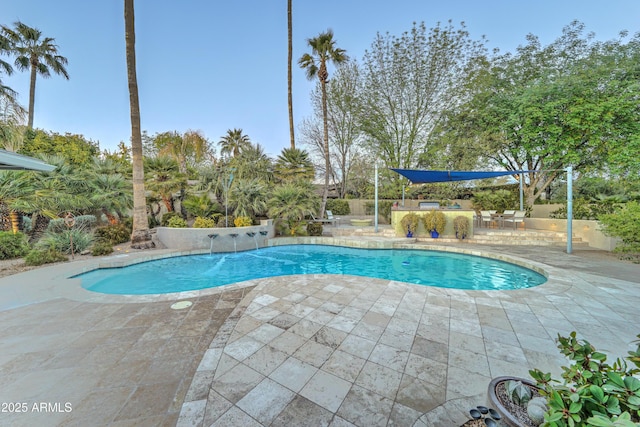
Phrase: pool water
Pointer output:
(430, 268)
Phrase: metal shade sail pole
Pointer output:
(521, 191)
(569, 209)
(375, 213)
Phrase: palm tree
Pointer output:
(253, 163)
(110, 194)
(140, 235)
(294, 165)
(13, 187)
(192, 145)
(248, 198)
(289, 75)
(291, 203)
(323, 50)
(164, 179)
(5, 48)
(12, 119)
(234, 142)
(7, 94)
(39, 55)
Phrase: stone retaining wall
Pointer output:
(198, 238)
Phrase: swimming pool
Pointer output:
(420, 267)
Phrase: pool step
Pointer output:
(481, 236)
(518, 237)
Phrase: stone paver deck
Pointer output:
(300, 350)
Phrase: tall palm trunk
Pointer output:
(289, 75)
(140, 236)
(322, 74)
(32, 92)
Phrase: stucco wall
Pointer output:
(198, 238)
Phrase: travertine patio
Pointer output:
(301, 350)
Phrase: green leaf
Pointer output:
(597, 393)
(599, 356)
(612, 388)
(616, 378)
(613, 406)
(557, 399)
(554, 416)
(575, 407)
(632, 383)
(599, 421)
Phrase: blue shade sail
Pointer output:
(424, 176)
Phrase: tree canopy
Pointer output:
(571, 103)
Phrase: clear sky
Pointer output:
(213, 65)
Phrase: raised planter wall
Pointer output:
(198, 238)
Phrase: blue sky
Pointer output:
(216, 65)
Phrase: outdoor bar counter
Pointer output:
(450, 213)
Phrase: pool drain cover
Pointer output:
(181, 304)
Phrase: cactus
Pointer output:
(536, 409)
(518, 393)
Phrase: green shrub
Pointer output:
(384, 208)
(113, 234)
(101, 248)
(177, 222)
(13, 245)
(338, 206)
(624, 225)
(243, 221)
(26, 224)
(56, 225)
(200, 206)
(62, 241)
(127, 222)
(409, 223)
(85, 222)
(201, 222)
(584, 209)
(434, 220)
(167, 217)
(461, 226)
(44, 256)
(223, 223)
(314, 229)
(81, 222)
(592, 392)
(494, 200)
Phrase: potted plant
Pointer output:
(434, 222)
(461, 226)
(409, 223)
(518, 400)
(591, 392)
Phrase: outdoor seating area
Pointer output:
(330, 219)
(493, 219)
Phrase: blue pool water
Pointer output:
(431, 268)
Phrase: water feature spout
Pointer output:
(253, 234)
(234, 235)
(263, 233)
(211, 236)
